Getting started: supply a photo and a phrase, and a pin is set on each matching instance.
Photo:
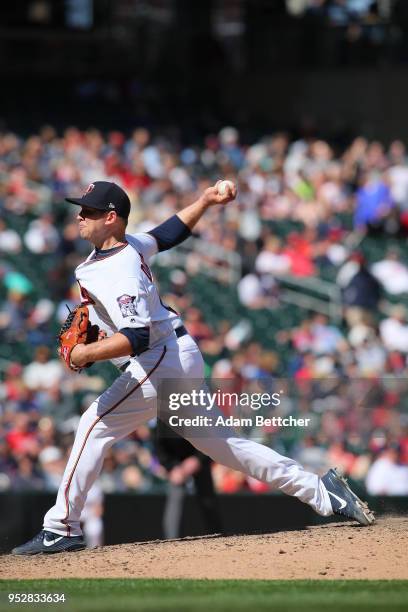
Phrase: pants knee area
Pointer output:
(91, 428)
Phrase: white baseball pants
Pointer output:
(132, 400)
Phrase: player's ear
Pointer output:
(111, 216)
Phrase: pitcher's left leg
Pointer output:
(225, 447)
(265, 464)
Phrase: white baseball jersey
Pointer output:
(119, 290)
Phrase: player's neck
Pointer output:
(110, 243)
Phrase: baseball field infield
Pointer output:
(339, 565)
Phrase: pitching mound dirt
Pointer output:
(337, 550)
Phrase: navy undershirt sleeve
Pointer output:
(170, 233)
(138, 338)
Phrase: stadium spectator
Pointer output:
(52, 464)
(386, 475)
(257, 291)
(271, 260)
(391, 272)
(43, 372)
(394, 330)
(14, 313)
(371, 356)
(299, 251)
(398, 174)
(10, 241)
(373, 201)
(326, 338)
(21, 438)
(13, 388)
(27, 478)
(42, 236)
(195, 325)
(361, 291)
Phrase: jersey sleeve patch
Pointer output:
(127, 305)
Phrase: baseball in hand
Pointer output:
(224, 186)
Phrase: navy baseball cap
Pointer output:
(104, 195)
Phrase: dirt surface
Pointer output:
(336, 550)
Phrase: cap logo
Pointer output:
(110, 205)
(90, 188)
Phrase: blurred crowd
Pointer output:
(305, 210)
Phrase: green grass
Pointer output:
(212, 595)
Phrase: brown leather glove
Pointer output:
(77, 329)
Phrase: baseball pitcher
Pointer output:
(122, 319)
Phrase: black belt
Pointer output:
(180, 331)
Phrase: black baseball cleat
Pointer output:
(344, 501)
(47, 542)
